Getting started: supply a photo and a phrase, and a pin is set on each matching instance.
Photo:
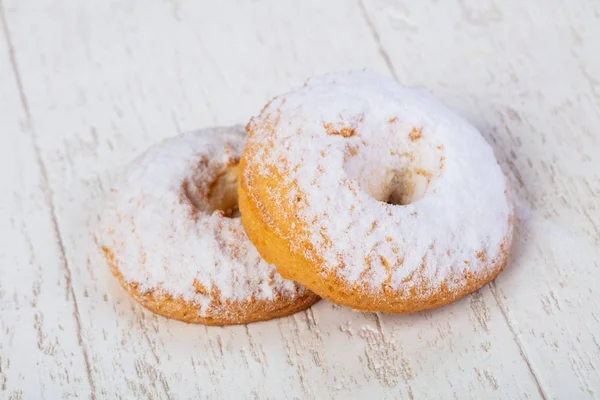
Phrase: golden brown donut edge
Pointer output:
(232, 312)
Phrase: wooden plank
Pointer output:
(527, 75)
(40, 339)
(104, 81)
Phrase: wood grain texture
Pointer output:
(40, 338)
(88, 85)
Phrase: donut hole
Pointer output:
(222, 195)
(400, 173)
(402, 193)
(408, 186)
(216, 195)
(397, 186)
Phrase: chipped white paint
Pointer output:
(84, 86)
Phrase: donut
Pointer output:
(173, 237)
(374, 195)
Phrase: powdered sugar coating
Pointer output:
(346, 144)
(164, 235)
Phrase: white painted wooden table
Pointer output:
(87, 85)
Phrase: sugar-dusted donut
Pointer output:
(173, 237)
(374, 195)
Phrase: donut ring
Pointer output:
(374, 195)
(173, 237)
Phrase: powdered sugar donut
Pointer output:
(173, 237)
(374, 195)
